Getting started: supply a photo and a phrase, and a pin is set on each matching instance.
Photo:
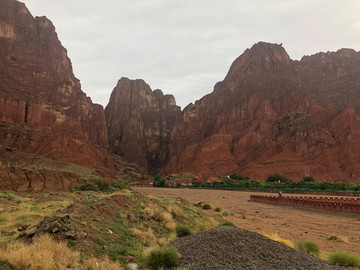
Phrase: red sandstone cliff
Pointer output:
(38, 89)
(272, 114)
(139, 123)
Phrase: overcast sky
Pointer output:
(185, 47)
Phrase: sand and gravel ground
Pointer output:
(287, 222)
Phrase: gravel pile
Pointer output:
(230, 247)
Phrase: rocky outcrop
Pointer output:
(139, 123)
(265, 118)
(38, 90)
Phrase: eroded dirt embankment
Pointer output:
(36, 180)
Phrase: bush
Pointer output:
(345, 259)
(206, 206)
(227, 223)
(225, 213)
(163, 257)
(182, 230)
(308, 179)
(217, 209)
(308, 247)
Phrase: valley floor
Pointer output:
(289, 223)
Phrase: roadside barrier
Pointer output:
(349, 205)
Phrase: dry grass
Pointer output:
(161, 215)
(146, 237)
(276, 238)
(47, 254)
(43, 254)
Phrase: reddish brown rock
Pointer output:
(267, 117)
(38, 90)
(139, 123)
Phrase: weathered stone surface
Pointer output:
(139, 123)
(38, 89)
(264, 118)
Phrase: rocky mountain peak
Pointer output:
(139, 123)
(261, 57)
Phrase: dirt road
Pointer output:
(287, 222)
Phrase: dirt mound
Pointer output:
(234, 248)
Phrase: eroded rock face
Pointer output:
(275, 115)
(139, 123)
(38, 89)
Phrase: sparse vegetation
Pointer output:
(344, 259)
(182, 230)
(163, 257)
(217, 209)
(103, 185)
(8, 195)
(225, 213)
(308, 247)
(206, 206)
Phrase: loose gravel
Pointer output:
(229, 247)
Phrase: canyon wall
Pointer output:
(39, 90)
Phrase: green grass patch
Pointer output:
(227, 223)
(9, 196)
(3, 219)
(22, 218)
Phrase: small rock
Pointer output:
(334, 238)
(30, 231)
(133, 266)
(70, 235)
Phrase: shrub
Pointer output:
(217, 209)
(227, 223)
(120, 184)
(308, 179)
(163, 257)
(4, 265)
(206, 206)
(225, 213)
(277, 178)
(308, 247)
(182, 230)
(90, 186)
(345, 259)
